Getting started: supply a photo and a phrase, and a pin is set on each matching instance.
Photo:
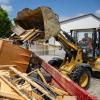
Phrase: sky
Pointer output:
(64, 8)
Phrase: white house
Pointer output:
(87, 22)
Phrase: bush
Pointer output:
(5, 24)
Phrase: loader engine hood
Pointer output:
(42, 18)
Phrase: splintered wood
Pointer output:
(27, 35)
(20, 86)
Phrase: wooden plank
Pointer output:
(59, 98)
(59, 91)
(69, 98)
(38, 97)
(1, 43)
(4, 72)
(27, 33)
(31, 34)
(6, 66)
(12, 86)
(11, 96)
(34, 84)
(33, 94)
(18, 30)
(4, 87)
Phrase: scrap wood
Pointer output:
(36, 36)
(59, 91)
(59, 98)
(66, 98)
(4, 72)
(56, 90)
(30, 35)
(38, 97)
(4, 87)
(41, 75)
(27, 33)
(18, 30)
(33, 94)
(6, 67)
(70, 98)
(10, 96)
(7, 92)
(34, 84)
(16, 89)
(26, 88)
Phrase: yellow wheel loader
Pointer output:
(46, 24)
(91, 48)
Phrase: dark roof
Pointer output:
(80, 17)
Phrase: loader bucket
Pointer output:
(42, 18)
(14, 55)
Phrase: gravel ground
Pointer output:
(95, 87)
(50, 52)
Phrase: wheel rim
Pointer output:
(84, 80)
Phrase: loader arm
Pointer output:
(73, 52)
(67, 43)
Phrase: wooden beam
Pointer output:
(6, 66)
(11, 96)
(13, 87)
(34, 84)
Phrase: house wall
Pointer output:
(52, 41)
(82, 23)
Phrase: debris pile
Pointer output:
(34, 80)
(24, 75)
(16, 85)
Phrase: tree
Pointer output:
(5, 24)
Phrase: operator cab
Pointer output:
(89, 41)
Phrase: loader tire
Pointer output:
(81, 76)
(55, 62)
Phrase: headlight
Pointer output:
(84, 50)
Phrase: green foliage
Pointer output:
(5, 24)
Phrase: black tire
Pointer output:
(77, 73)
(55, 62)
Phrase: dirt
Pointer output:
(94, 88)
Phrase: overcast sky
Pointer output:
(64, 8)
